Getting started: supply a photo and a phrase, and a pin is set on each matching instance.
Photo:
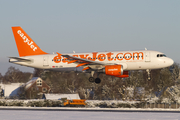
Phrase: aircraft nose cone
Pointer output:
(170, 62)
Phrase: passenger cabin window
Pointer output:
(161, 55)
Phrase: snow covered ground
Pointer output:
(90, 113)
(80, 115)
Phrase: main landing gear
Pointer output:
(92, 79)
(97, 80)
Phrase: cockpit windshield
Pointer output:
(161, 55)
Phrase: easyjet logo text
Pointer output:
(26, 40)
(102, 57)
(112, 69)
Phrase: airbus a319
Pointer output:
(116, 63)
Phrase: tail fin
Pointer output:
(25, 45)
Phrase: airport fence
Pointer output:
(162, 105)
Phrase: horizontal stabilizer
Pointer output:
(17, 59)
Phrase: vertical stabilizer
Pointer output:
(25, 45)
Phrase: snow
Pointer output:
(59, 96)
(80, 115)
(11, 90)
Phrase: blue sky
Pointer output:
(91, 25)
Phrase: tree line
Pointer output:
(135, 87)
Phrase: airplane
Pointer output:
(117, 63)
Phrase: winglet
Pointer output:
(25, 45)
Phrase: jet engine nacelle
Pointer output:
(116, 70)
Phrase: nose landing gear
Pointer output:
(148, 72)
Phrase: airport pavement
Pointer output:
(90, 109)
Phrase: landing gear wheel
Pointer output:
(97, 80)
(91, 79)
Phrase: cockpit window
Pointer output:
(161, 55)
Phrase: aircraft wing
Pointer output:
(81, 61)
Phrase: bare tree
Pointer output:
(1, 77)
(174, 69)
(37, 72)
(14, 75)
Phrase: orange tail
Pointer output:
(25, 45)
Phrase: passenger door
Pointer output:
(45, 61)
(147, 57)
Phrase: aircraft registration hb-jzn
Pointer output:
(111, 63)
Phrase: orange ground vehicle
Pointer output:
(74, 102)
